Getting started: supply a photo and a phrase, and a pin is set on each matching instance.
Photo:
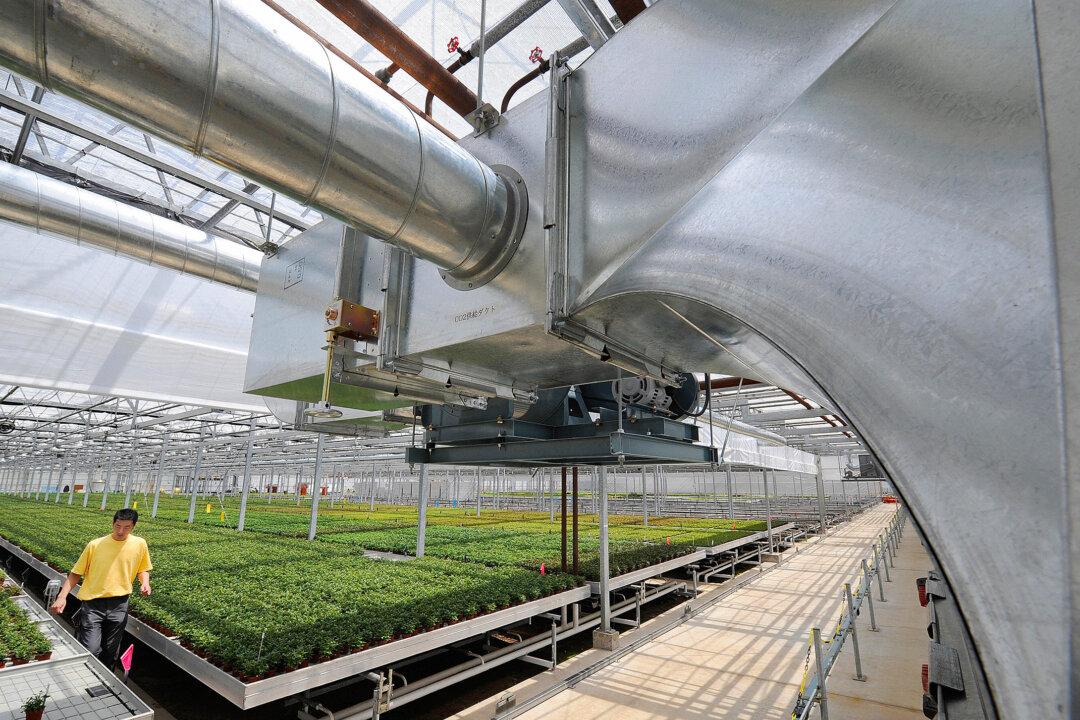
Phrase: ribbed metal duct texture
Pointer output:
(236, 82)
(49, 205)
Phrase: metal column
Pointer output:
(644, 499)
(108, 481)
(563, 565)
(194, 483)
(574, 537)
(316, 481)
(247, 478)
(730, 492)
(422, 501)
(823, 701)
(768, 510)
(605, 595)
(160, 475)
(129, 481)
(820, 494)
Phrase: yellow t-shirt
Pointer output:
(108, 567)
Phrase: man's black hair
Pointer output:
(126, 514)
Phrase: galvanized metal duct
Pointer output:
(49, 205)
(238, 83)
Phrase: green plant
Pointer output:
(267, 600)
(36, 702)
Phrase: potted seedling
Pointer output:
(42, 649)
(34, 707)
(20, 652)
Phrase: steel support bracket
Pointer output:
(556, 226)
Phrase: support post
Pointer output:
(479, 487)
(422, 500)
(574, 536)
(604, 637)
(43, 484)
(768, 510)
(130, 479)
(89, 484)
(644, 499)
(563, 564)
(884, 557)
(823, 698)
(246, 487)
(605, 596)
(869, 595)
(59, 484)
(194, 484)
(316, 482)
(877, 572)
(854, 634)
(74, 477)
(730, 492)
(160, 475)
(108, 481)
(820, 494)
(551, 495)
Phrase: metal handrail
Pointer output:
(812, 689)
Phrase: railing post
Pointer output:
(877, 574)
(868, 594)
(854, 634)
(884, 559)
(823, 701)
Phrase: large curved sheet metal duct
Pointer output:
(52, 206)
(236, 82)
(891, 232)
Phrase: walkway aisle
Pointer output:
(743, 658)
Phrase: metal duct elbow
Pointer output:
(238, 83)
(48, 205)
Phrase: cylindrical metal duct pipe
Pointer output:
(52, 206)
(236, 82)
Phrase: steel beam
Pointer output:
(589, 20)
(28, 107)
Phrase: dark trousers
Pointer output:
(100, 627)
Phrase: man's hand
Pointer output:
(144, 589)
(61, 598)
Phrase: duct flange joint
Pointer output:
(504, 241)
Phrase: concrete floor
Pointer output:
(744, 657)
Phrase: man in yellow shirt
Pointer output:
(107, 568)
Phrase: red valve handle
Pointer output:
(537, 55)
(453, 45)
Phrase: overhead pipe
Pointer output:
(742, 428)
(238, 83)
(386, 37)
(542, 67)
(52, 206)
